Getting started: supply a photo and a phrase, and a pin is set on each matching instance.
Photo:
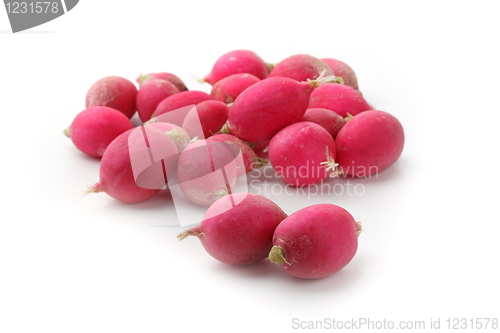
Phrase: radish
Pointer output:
(206, 119)
(150, 94)
(303, 153)
(207, 171)
(235, 62)
(134, 166)
(328, 119)
(178, 101)
(250, 158)
(315, 242)
(176, 133)
(339, 98)
(343, 70)
(115, 92)
(301, 67)
(163, 76)
(369, 143)
(227, 89)
(266, 107)
(94, 128)
(238, 229)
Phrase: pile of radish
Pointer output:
(304, 117)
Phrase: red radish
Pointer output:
(94, 128)
(343, 70)
(238, 229)
(174, 79)
(315, 242)
(303, 153)
(227, 89)
(235, 62)
(207, 171)
(266, 107)
(176, 133)
(127, 156)
(180, 100)
(328, 119)
(115, 92)
(150, 94)
(261, 149)
(250, 158)
(369, 143)
(206, 119)
(340, 98)
(301, 67)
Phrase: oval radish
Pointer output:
(340, 98)
(206, 119)
(115, 92)
(180, 100)
(343, 70)
(301, 67)
(151, 93)
(227, 89)
(327, 119)
(175, 80)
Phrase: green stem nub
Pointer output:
(277, 255)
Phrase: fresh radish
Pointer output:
(328, 119)
(301, 67)
(250, 158)
(343, 70)
(315, 242)
(303, 153)
(369, 143)
(176, 133)
(238, 229)
(150, 94)
(175, 80)
(207, 171)
(115, 92)
(206, 119)
(227, 89)
(127, 172)
(340, 98)
(180, 100)
(235, 62)
(96, 127)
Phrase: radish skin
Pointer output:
(115, 92)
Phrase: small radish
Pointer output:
(303, 153)
(315, 242)
(150, 94)
(328, 119)
(95, 128)
(207, 171)
(176, 133)
(266, 107)
(163, 76)
(180, 100)
(340, 98)
(301, 67)
(238, 229)
(250, 158)
(235, 62)
(206, 119)
(115, 92)
(227, 89)
(127, 172)
(343, 70)
(369, 143)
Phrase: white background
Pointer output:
(430, 246)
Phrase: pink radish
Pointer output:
(151, 93)
(303, 153)
(235, 62)
(301, 67)
(94, 128)
(175, 80)
(315, 242)
(343, 70)
(328, 119)
(340, 98)
(180, 100)
(369, 143)
(266, 107)
(207, 171)
(206, 119)
(129, 151)
(227, 89)
(238, 228)
(115, 92)
(250, 158)
(176, 133)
